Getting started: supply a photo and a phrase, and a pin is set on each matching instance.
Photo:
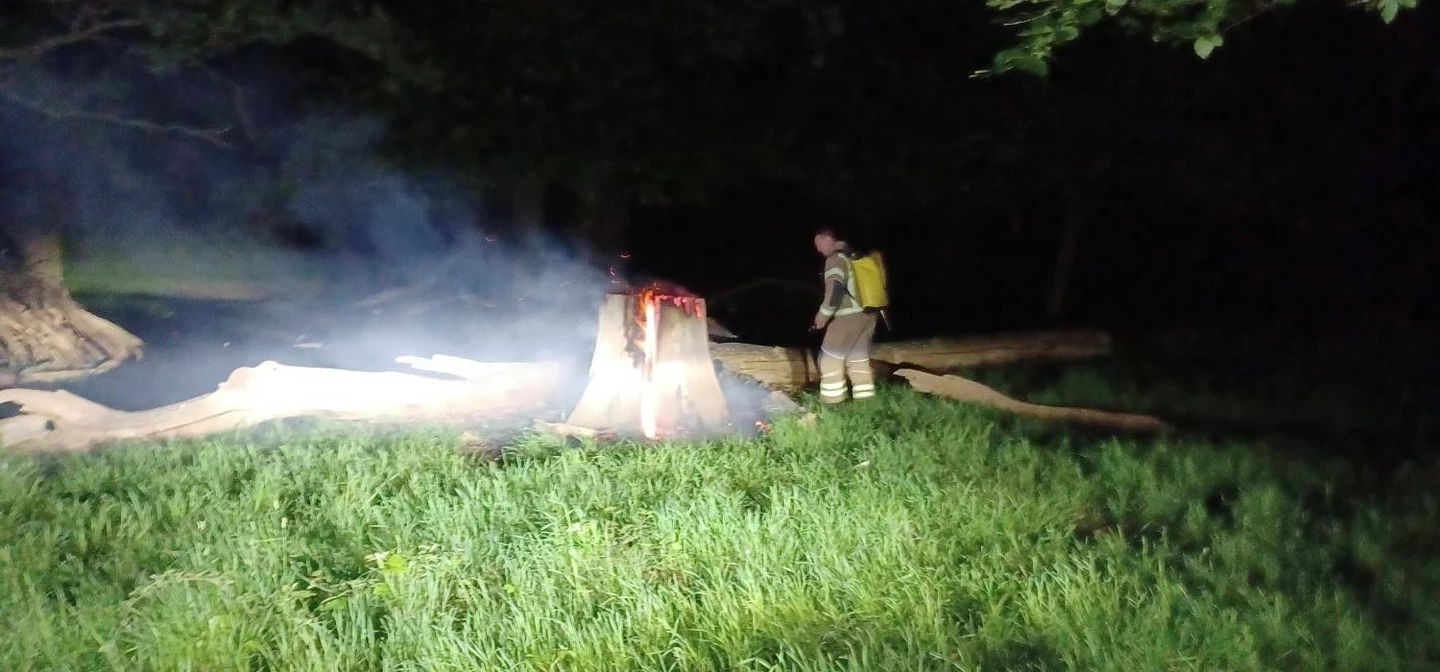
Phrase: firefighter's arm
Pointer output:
(834, 287)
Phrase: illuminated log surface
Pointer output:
(60, 420)
(969, 391)
(791, 369)
(651, 374)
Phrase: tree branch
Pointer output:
(238, 101)
(213, 136)
(67, 39)
(95, 32)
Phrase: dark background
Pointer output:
(1288, 185)
(1284, 186)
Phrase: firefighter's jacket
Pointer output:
(840, 292)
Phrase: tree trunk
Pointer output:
(44, 335)
(1076, 212)
(605, 219)
(43, 258)
(528, 212)
(1016, 215)
(529, 201)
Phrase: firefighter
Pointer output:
(849, 328)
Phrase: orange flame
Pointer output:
(649, 302)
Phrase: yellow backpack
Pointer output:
(869, 273)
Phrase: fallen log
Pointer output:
(969, 391)
(786, 369)
(791, 369)
(717, 330)
(778, 403)
(271, 391)
(949, 353)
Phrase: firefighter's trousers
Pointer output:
(845, 358)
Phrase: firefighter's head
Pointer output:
(826, 242)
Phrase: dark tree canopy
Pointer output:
(1043, 26)
(862, 107)
(675, 100)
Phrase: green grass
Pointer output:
(911, 534)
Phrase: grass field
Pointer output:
(910, 534)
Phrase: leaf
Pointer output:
(1034, 65)
(1019, 59)
(1207, 44)
(1003, 58)
(1388, 10)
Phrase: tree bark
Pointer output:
(1016, 215)
(1076, 214)
(45, 336)
(42, 258)
(529, 202)
(605, 218)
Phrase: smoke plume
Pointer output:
(303, 216)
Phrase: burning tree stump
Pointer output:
(651, 373)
